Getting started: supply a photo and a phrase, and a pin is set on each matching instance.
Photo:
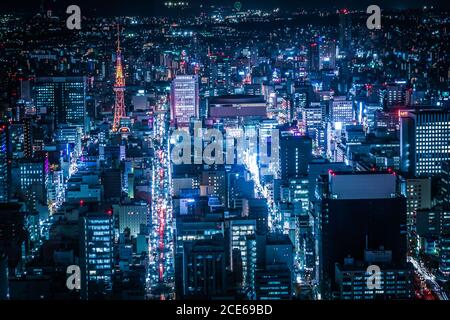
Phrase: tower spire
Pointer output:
(118, 38)
(119, 87)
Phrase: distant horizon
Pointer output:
(156, 7)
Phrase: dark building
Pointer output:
(193, 227)
(445, 182)
(274, 283)
(270, 264)
(295, 154)
(359, 213)
(234, 106)
(204, 268)
(4, 290)
(5, 171)
(28, 138)
(220, 75)
(239, 188)
(112, 184)
(433, 229)
(257, 209)
(12, 234)
(352, 278)
(33, 174)
(345, 31)
(313, 57)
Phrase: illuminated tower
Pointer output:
(119, 88)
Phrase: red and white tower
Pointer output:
(119, 88)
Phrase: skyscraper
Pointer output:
(204, 268)
(96, 245)
(184, 99)
(64, 98)
(12, 234)
(313, 57)
(295, 154)
(313, 117)
(345, 31)
(327, 54)
(220, 78)
(239, 230)
(418, 196)
(28, 138)
(341, 111)
(445, 182)
(424, 141)
(362, 217)
(4, 163)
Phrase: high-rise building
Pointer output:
(205, 268)
(27, 138)
(433, 229)
(12, 234)
(257, 210)
(33, 175)
(424, 141)
(220, 77)
(278, 251)
(112, 183)
(132, 216)
(64, 98)
(314, 117)
(444, 254)
(360, 213)
(217, 182)
(239, 230)
(4, 163)
(352, 278)
(313, 57)
(273, 283)
(234, 106)
(345, 31)
(303, 95)
(270, 263)
(16, 138)
(4, 290)
(184, 99)
(418, 196)
(445, 182)
(192, 228)
(341, 111)
(96, 252)
(327, 54)
(395, 94)
(295, 154)
(239, 188)
(32, 171)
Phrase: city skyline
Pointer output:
(156, 7)
(225, 153)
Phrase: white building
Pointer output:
(184, 99)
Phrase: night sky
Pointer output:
(155, 7)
